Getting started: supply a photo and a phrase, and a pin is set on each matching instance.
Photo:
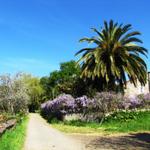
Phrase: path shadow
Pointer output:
(145, 137)
(137, 141)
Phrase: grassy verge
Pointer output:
(13, 139)
(141, 123)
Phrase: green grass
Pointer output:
(140, 123)
(13, 139)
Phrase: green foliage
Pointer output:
(53, 121)
(67, 80)
(124, 116)
(14, 138)
(64, 80)
(77, 123)
(35, 91)
(137, 122)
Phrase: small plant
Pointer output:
(122, 116)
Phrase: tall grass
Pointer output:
(13, 139)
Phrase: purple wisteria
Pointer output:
(103, 102)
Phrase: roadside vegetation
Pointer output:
(15, 101)
(14, 138)
(120, 122)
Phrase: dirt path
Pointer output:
(133, 141)
(40, 136)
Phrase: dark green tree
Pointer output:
(61, 81)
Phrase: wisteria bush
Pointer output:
(82, 104)
(144, 100)
(58, 107)
(141, 101)
(89, 108)
(102, 104)
(130, 102)
(92, 109)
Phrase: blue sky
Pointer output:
(37, 35)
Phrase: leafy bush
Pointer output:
(122, 116)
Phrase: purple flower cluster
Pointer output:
(103, 102)
(82, 104)
(146, 97)
(139, 101)
(62, 104)
(130, 102)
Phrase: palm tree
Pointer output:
(114, 57)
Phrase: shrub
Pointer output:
(145, 100)
(58, 107)
(130, 102)
(92, 109)
(82, 104)
(102, 104)
(107, 101)
(124, 116)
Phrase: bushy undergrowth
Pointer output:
(5, 116)
(14, 138)
(93, 109)
(125, 116)
(117, 122)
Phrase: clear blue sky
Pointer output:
(36, 35)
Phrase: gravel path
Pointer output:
(40, 136)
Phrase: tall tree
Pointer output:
(35, 91)
(61, 81)
(115, 55)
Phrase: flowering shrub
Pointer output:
(64, 104)
(101, 104)
(107, 101)
(81, 104)
(92, 109)
(130, 102)
(58, 107)
(139, 101)
(145, 100)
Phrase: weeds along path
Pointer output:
(40, 136)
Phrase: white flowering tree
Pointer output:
(13, 94)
